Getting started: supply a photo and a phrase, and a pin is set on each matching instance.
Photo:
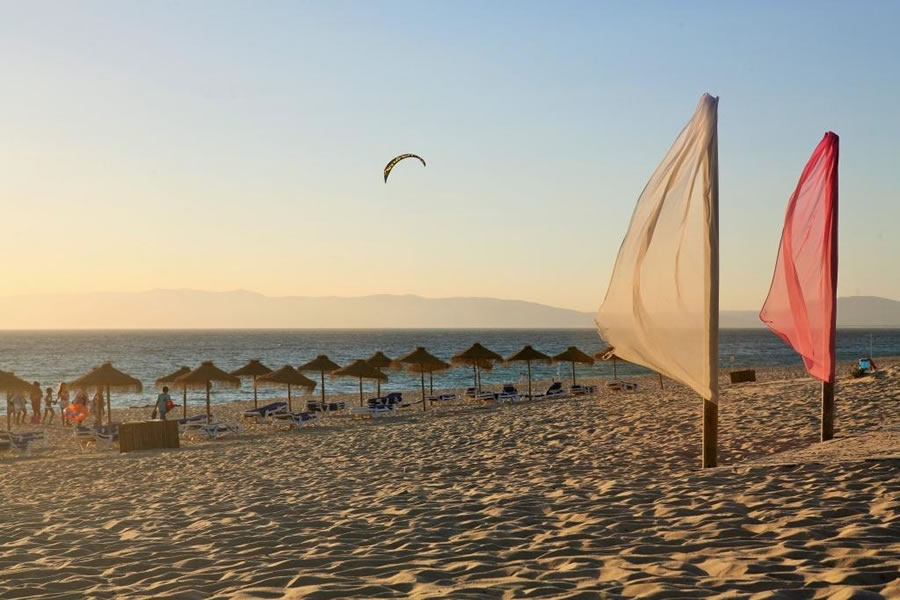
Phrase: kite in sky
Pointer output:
(396, 159)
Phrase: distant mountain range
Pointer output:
(191, 309)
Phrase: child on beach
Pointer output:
(62, 396)
(49, 401)
(18, 403)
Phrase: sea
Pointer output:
(53, 356)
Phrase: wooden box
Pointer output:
(743, 376)
(148, 435)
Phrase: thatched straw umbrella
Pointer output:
(286, 375)
(480, 358)
(322, 364)
(431, 369)
(379, 360)
(528, 355)
(421, 361)
(362, 370)
(573, 355)
(170, 380)
(107, 376)
(203, 377)
(253, 369)
(10, 383)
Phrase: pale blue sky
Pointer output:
(222, 145)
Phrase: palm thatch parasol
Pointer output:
(203, 377)
(253, 369)
(362, 370)
(421, 361)
(480, 358)
(322, 364)
(379, 360)
(528, 355)
(431, 369)
(573, 355)
(170, 380)
(11, 383)
(109, 377)
(286, 375)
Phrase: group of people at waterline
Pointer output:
(73, 407)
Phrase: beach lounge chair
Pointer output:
(296, 419)
(617, 385)
(442, 399)
(583, 390)
(194, 423)
(20, 443)
(327, 407)
(262, 413)
(471, 392)
(219, 430)
(105, 435)
(509, 393)
(554, 391)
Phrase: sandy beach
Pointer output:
(575, 498)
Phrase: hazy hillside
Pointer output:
(240, 309)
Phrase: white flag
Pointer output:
(662, 306)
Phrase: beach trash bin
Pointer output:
(148, 435)
(743, 376)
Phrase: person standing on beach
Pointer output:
(18, 403)
(62, 396)
(49, 401)
(36, 396)
(97, 400)
(162, 402)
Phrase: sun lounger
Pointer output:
(296, 419)
(194, 423)
(509, 393)
(219, 430)
(21, 443)
(105, 435)
(554, 391)
(442, 399)
(471, 392)
(617, 385)
(583, 390)
(328, 407)
(262, 413)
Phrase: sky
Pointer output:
(240, 145)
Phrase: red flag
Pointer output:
(801, 306)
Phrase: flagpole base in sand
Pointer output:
(710, 434)
(827, 411)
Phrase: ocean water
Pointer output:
(53, 356)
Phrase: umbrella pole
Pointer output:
(528, 363)
(360, 391)
(424, 407)
(322, 373)
(573, 372)
(378, 383)
(108, 408)
(255, 402)
(289, 398)
(184, 401)
(8, 413)
(660, 381)
(474, 376)
(208, 411)
(431, 382)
